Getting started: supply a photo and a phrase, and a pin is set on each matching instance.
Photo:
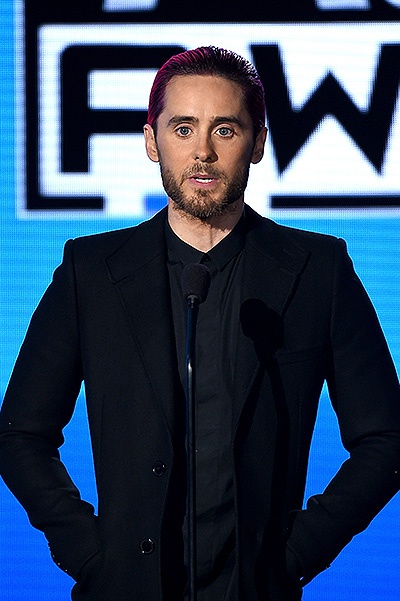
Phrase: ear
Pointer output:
(150, 142)
(258, 150)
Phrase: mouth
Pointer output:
(203, 179)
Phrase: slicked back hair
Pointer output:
(211, 60)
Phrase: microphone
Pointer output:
(195, 281)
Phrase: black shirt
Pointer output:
(216, 335)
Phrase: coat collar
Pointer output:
(273, 262)
(145, 243)
(266, 241)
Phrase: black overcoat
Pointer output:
(106, 320)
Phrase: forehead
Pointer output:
(203, 95)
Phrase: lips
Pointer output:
(202, 178)
(203, 181)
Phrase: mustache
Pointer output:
(207, 170)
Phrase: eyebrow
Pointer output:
(190, 119)
(182, 118)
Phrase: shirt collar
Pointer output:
(220, 255)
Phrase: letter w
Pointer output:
(291, 128)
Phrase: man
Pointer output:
(285, 312)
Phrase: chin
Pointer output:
(204, 211)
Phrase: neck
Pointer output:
(203, 234)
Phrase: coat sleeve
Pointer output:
(364, 391)
(39, 402)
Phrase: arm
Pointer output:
(39, 402)
(364, 391)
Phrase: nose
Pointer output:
(203, 149)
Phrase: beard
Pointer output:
(201, 204)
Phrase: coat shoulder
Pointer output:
(106, 244)
(289, 245)
(305, 239)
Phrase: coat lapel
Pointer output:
(272, 265)
(139, 272)
(271, 269)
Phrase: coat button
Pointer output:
(159, 468)
(146, 546)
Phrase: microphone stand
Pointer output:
(193, 307)
(195, 280)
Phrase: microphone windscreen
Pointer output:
(195, 281)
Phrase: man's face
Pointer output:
(204, 144)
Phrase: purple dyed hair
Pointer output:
(210, 60)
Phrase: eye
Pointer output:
(225, 132)
(183, 130)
